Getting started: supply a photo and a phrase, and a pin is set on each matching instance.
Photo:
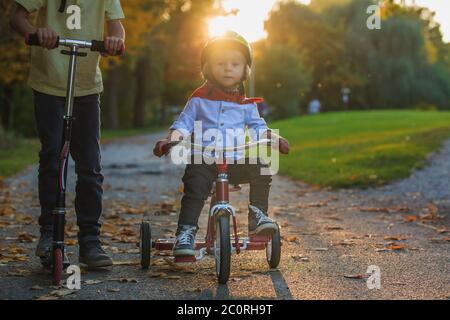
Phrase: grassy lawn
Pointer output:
(14, 158)
(338, 150)
(360, 149)
(21, 153)
(109, 135)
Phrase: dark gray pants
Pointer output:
(85, 150)
(198, 180)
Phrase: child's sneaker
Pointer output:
(259, 223)
(185, 242)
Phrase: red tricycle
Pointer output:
(218, 240)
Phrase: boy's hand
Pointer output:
(278, 141)
(283, 146)
(159, 146)
(47, 37)
(114, 46)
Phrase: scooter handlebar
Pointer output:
(94, 45)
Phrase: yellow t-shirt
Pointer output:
(49, 68)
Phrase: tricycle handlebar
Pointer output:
(246, 146)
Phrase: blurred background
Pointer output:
(310, 57)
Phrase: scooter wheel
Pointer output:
(273, 250)
(145, 244)
(57, 266)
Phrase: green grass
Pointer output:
(360, 149)
(14, 158)
(18, 153)
(109, 135)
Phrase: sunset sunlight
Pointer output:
(248, 19)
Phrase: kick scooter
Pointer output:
(54, 260)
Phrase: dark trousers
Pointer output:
(198, 180)
(84, 149)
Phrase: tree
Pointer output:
(14, 63)
(281, 79)
(141, 17)
(321, 45)
(184, 36)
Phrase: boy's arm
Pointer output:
(180, 128)
(261, 131)
(115, 41)
(19, 22)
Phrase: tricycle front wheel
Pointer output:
(222, 248)
(273, 250)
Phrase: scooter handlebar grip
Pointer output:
(99, 46)
(32, 39)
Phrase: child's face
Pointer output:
(227, 66)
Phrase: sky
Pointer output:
(442, 9)
(258, 10)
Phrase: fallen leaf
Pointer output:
(394, 238)
(319, 249)
(158, 274)
(57, 294)
(410, 218)
(70, 242)
(329, 228)
(432, 211)
(345, 242)
(125, 280)
(396, 246)
(89, 282)
(313, 204)
(291, 238)
(36, 288)
(300, 258)
(26, 237)
(355, 276)
(19, 273)
(126, 263)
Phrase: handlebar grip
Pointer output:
(99, 46)
(166, 148)
(32, 39)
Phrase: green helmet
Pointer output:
(229, 37)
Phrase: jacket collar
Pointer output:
(213, 92)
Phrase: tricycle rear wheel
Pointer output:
(145, 244)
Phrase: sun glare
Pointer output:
(248, 20)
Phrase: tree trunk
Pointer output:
(7, 109)
(141, 93)
(112, 85)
